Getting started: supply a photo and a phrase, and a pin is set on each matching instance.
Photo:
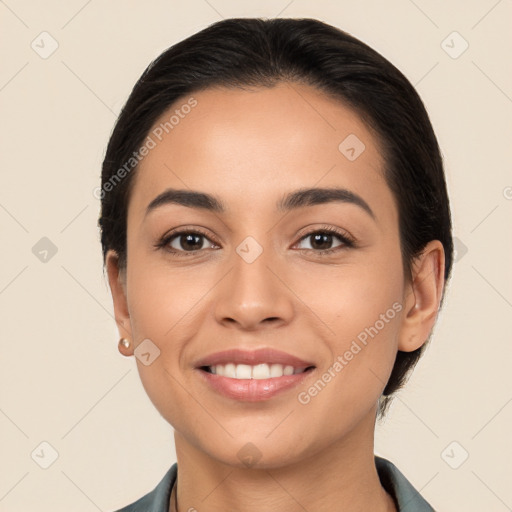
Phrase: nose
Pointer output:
(254, 294)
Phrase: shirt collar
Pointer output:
(407, 498)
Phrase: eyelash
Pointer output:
(348, 241)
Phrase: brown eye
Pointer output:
(321, 241)
(187, 242)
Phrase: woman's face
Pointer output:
(255, 279)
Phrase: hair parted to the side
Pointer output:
(255, 52)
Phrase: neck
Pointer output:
(340, 477)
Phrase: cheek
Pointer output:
(349, 298)
(164, 305)
(362, 354)
(160, 298)
(358, 313)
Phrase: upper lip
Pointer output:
(253, 357)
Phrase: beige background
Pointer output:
(62, 380)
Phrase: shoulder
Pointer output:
(158, 499)
(408, 499)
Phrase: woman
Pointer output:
(276, 232)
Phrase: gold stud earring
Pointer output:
(124, 342)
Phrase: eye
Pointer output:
(321, 241)
(185, 242)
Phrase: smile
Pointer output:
(253, 375)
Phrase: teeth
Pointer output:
(259, 371)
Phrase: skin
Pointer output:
(249, 148)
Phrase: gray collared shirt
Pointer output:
(407, 498)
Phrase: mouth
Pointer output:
(252, 376)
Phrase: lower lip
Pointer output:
(253, 390)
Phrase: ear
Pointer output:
(117, 282)
(422, 297)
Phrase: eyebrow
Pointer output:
(291, 201)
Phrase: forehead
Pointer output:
(257, 144)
